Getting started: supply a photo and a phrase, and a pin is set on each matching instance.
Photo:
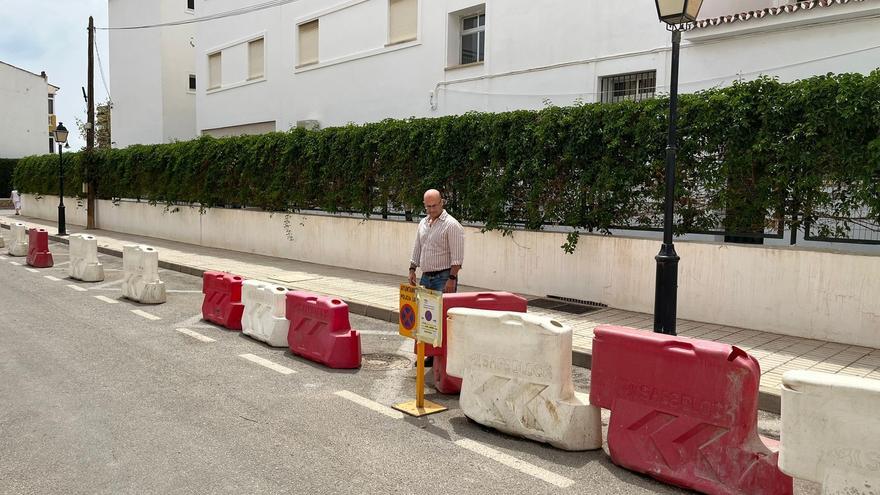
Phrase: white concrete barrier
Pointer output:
(18, 240)
(84, 264)
(140, 266)
(831, 431)
(263, 317)
(516, 377)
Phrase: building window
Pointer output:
(403, 20)
(635, 86)
(190, 4)
(308, 43)
(214, 70)
(473, 39)
(192, 82)
(51, 145)
(51, 105)
(256, 59)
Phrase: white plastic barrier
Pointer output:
(831, 431)
(516, 372)
(84, 264)
(140, 266)
(18, 240)
(263, 317)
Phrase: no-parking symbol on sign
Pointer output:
(409, 311)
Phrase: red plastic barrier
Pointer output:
(684, 411)
(497, 301)
(320, 331)
(38, 249)
(222, 304)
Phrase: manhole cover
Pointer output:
(385, 361)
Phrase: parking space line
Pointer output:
(370, 404)
(195, 335)
(146, 315)
(512, 462)
(15, 263)
(77, 288)
(32, 270)
(50, 277)
(109, 284)
(106, 300)
(268, 364)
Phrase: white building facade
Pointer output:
(152, 71)
(326, 63)
(26, 100)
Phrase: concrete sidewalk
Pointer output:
(376, 295)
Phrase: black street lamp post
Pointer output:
(678, 16)
(61, 138)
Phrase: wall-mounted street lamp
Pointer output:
(679, 16)
(61, 139)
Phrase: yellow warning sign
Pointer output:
(409, 310)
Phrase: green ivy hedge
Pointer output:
(750, 156)
(7, 167)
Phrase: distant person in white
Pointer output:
(439, 247)
(16, 201)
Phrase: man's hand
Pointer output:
(412, 277)
(450, 286)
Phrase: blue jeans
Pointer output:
(435, 280)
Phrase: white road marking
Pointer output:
(62, 264)
(32, 270)
(369, 404)
(78, 288)
(512, 462)
(106, 299)
(267, 363)
(184, 291)
(195, 335)
(3, 258)
(15, 263)
(146, 315)
(109, 284)
(50, 277)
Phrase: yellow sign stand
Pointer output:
(410, 320)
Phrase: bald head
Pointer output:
(433, 203)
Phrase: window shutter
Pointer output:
(214, 73)
(403, 20)
(255, 59)
(308, 43)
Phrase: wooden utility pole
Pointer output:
(90, 130)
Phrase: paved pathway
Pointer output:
(376, 295)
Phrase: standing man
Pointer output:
(439, 247)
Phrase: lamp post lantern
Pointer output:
(678, 16)
(61, 139)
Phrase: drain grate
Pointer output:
(385, 361)
(564, 305)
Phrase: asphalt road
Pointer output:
(95, 398)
